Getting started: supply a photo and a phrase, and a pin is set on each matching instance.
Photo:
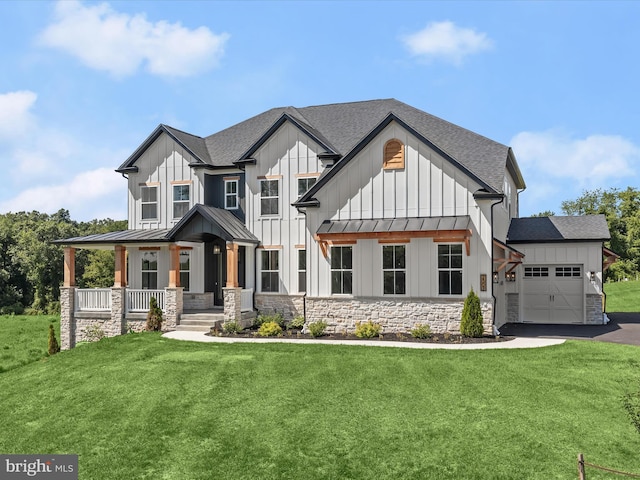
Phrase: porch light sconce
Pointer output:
(511, 276)
(216, 249)
(496, 277)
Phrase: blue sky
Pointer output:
(84, 83)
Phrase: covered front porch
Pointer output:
(205, 263)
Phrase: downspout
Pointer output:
(304, 297)
(495, 300)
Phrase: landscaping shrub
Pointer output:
(297, 323)
(154, 317)
(471, 322)
(421, 331)
(268, 317)
(316, 329)
(231, 327)
(270, 329)
(368, 330)
(54, 347)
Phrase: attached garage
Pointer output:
(560, 278)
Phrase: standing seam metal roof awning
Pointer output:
(441, 229)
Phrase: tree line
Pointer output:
(31, 267)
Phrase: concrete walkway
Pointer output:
(519, 342)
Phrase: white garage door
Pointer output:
(553, 294)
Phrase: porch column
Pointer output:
(174, 266)
(67, 316)
(120, 279)
(69, 267)
(232, 265)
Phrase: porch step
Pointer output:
(199, 322)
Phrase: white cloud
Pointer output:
(15, 114)
(446, 41)
(86, 190)
(590, 161)
(107, 40)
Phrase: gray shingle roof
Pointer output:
(586, 228)
(343, 126)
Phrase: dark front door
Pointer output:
(215, 269)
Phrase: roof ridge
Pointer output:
(181, 131)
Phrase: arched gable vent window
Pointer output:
(393, 155)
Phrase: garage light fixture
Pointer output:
(496, 277)
(592, 277)
(511, 276)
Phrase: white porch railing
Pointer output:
(138, 300)
(93, 299)
(246, 299)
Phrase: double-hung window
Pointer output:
(269, 197)
(149, 202)
(450, 269)
(342, 270)
(181, 194)
(302, 270)
(185, 260)
(270, 270)
(231, 194)
(149, 270)
(394, 270)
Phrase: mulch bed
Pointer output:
(393, 337)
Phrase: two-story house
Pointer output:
(347, 212)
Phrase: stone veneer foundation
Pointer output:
(395, 316)
(595, 313)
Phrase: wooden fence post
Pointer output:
(581, 474)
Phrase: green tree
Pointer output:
(471, 323)
(546, 213)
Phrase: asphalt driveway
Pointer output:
(622, 328)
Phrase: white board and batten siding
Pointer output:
(163, 164)
(559, 279)
(427, 186)
(286, 156)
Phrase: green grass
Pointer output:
(23, 339)
(143, 407)
(623, 296)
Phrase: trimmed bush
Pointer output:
(316, 329)
(154, 317)
(368, 330)
(297, 323)
(268, 317)
(270, 329)
(231, 327)
(421, 331)
(471, 322)
(54, 347)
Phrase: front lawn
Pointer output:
(23, 339)
(142, 406)
(623, 296)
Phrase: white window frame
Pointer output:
(338, 267)
(143, 203)
(181, 202)
(395, 269)
(305, 181)
(270, 197)
(270, 270)
(228, 195)
(185, 271)
(302, 272)
(450, 268)
(148, 258)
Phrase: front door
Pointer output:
(215, 264)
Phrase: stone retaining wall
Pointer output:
(290, 306)
(396, 316)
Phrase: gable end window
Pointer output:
(231, 194)
(393, 157)
(149, 202)
(181, 194)
(450, 269)
(394, 270)
(342, 270)
(269, 197)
